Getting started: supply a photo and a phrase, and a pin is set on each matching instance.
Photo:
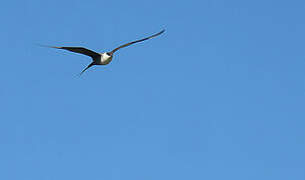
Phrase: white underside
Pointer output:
(103, 59)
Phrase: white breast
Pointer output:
(105, 59)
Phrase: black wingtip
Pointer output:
(47, 46)
(163, 30)
(41, 45)
(158, 33)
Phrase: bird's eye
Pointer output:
(108, 54)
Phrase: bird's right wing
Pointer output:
(80, 50)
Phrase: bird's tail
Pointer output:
(87, 68)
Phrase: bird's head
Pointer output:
(109, 53)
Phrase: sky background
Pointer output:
(220, 95)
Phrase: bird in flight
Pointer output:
(102, 58)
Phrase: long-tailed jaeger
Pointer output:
(102, 58)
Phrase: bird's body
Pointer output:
(102, 58)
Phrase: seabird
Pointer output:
(101, 58)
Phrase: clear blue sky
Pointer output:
(220, 95)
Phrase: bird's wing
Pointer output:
(80, 50)
(130, 43)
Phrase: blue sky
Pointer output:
(219, 95)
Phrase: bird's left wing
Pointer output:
(130, 43)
